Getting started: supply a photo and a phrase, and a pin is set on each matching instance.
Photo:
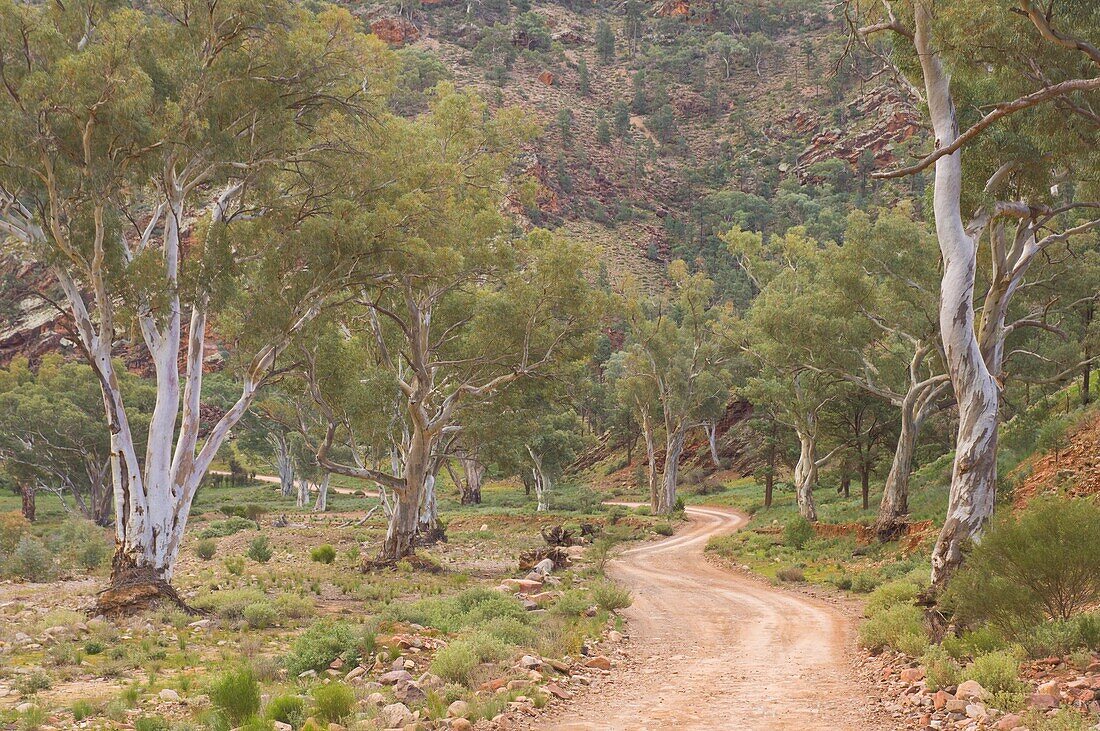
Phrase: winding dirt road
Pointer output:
(718, 650)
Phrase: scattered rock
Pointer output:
(912, 675)
(396, 715)
(599, 662)
(167, 694)
(394, 677)
(458, 709)
(1009, 722)
(461, 724)
(971, 690)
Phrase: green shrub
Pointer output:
(798, 533)
(900, 627)
(252, 511)
(940, 670)
(893, 593)
(94, 647)
(980, 641)
(223, 528)
(572, 603)
(1063, 637)
(325, 641)
(293, 606)
(80, 543)
(259, 550)
(151, 723)
(234, 565)
(609, 596)
(31, 683)
(13, 526)
(1042, 565)
(790, 573)
(206, 548)
(455, 663)
(259, 615)
(228, 603)
(510, 631)
(32, 561)
(864, 583)
(288, 709)
(236, 694)
(470, 608)
(82, 710)
(997, 672)
(323, 554)
(333, 703)
(664, 529)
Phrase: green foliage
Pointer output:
(605, 42)
(236, 693)
(900, 626)
(206, 548)
(151, 723)
(891, 594)
(997, 672)
(455, 663)
(1061, 637)
(979, 641)
(470, 608)
(333, 703)
(510, 630)
(259, 550)
(223, 528)
(12, 528)
(798, 532)
(289, 709)
(940, 669)
(325, 641)
(82, 709)
(1042, 564)
(259, 615)
(234, 565)
(323, 554)
(32, 561)
(32, 682)
(610, 596)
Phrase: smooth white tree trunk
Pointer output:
(321, 504)
(805, 475)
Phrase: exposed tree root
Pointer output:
(134, 589)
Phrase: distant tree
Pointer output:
(727, 50)
(603, 130)
(565, 126)
(759, 47)
(620, 118)
(582, 77)
(605, 42)
(639, 101)
(531, 32)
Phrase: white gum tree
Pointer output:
(1014, 85)
(159, 205)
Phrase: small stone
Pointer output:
(200, 624)
(336, 727)
(395, 676)
(557, 692)
(971, 690)
(1043, 702)
(1051, 687)
(377, 700)
(409, 692)
(912, 675)
(336, 664)
(396, 715)
(956, 706)
(975, 710)
(280, 726)
(1010, 722)
(599, 663)
(167, 694)
(458, 709)
(24, 707)
(461, 724)
(484, 528)
(530, 662)
(940, 698)
(356, 673)
(614, 636)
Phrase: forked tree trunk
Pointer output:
(402, 527)
(303, 493)
(674, 448)
(651, 460)
(712, 440)
(541, 481)
(474, 472)
(974, 473)
(805, 476)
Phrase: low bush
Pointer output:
(223, 528)
(891, 594)
(82, 710)
(259, 550)
(323, 554)
(610, 596)
(469, 608)
(511, 631)
(234, 565)
(259, 615)
(455, 663)
(151, 723)
(288, 709)
(997, 672)
(293, 606)
(940, 669)
(900, 627)
(81, 543)
(325, 641)
(573, 603)
(1042, 565)
(1063, 637)
(206, 548)
(13, 526)
(333, 703)
(664, 529)
(864, 583)
(790, 573)
(797, 533)
(236, 694)
(32, 682)
(980, 641)
(32, 561)
(228, 603)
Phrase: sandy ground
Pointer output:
(718, 650)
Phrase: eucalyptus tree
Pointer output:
(674, 367)
(52, 435)
(160, 163)
(1014, 84)
(459, 303)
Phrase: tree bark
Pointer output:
(321, 504)
(27, 492)
(865, 484)
(805, 476)
(845, 488)
(283, 464)
(974, 473)
(541, 480)
(651, 459)
(303, 492)
(402, 527)
(674, 448)
(712, 440)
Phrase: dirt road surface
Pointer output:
(718, 650)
